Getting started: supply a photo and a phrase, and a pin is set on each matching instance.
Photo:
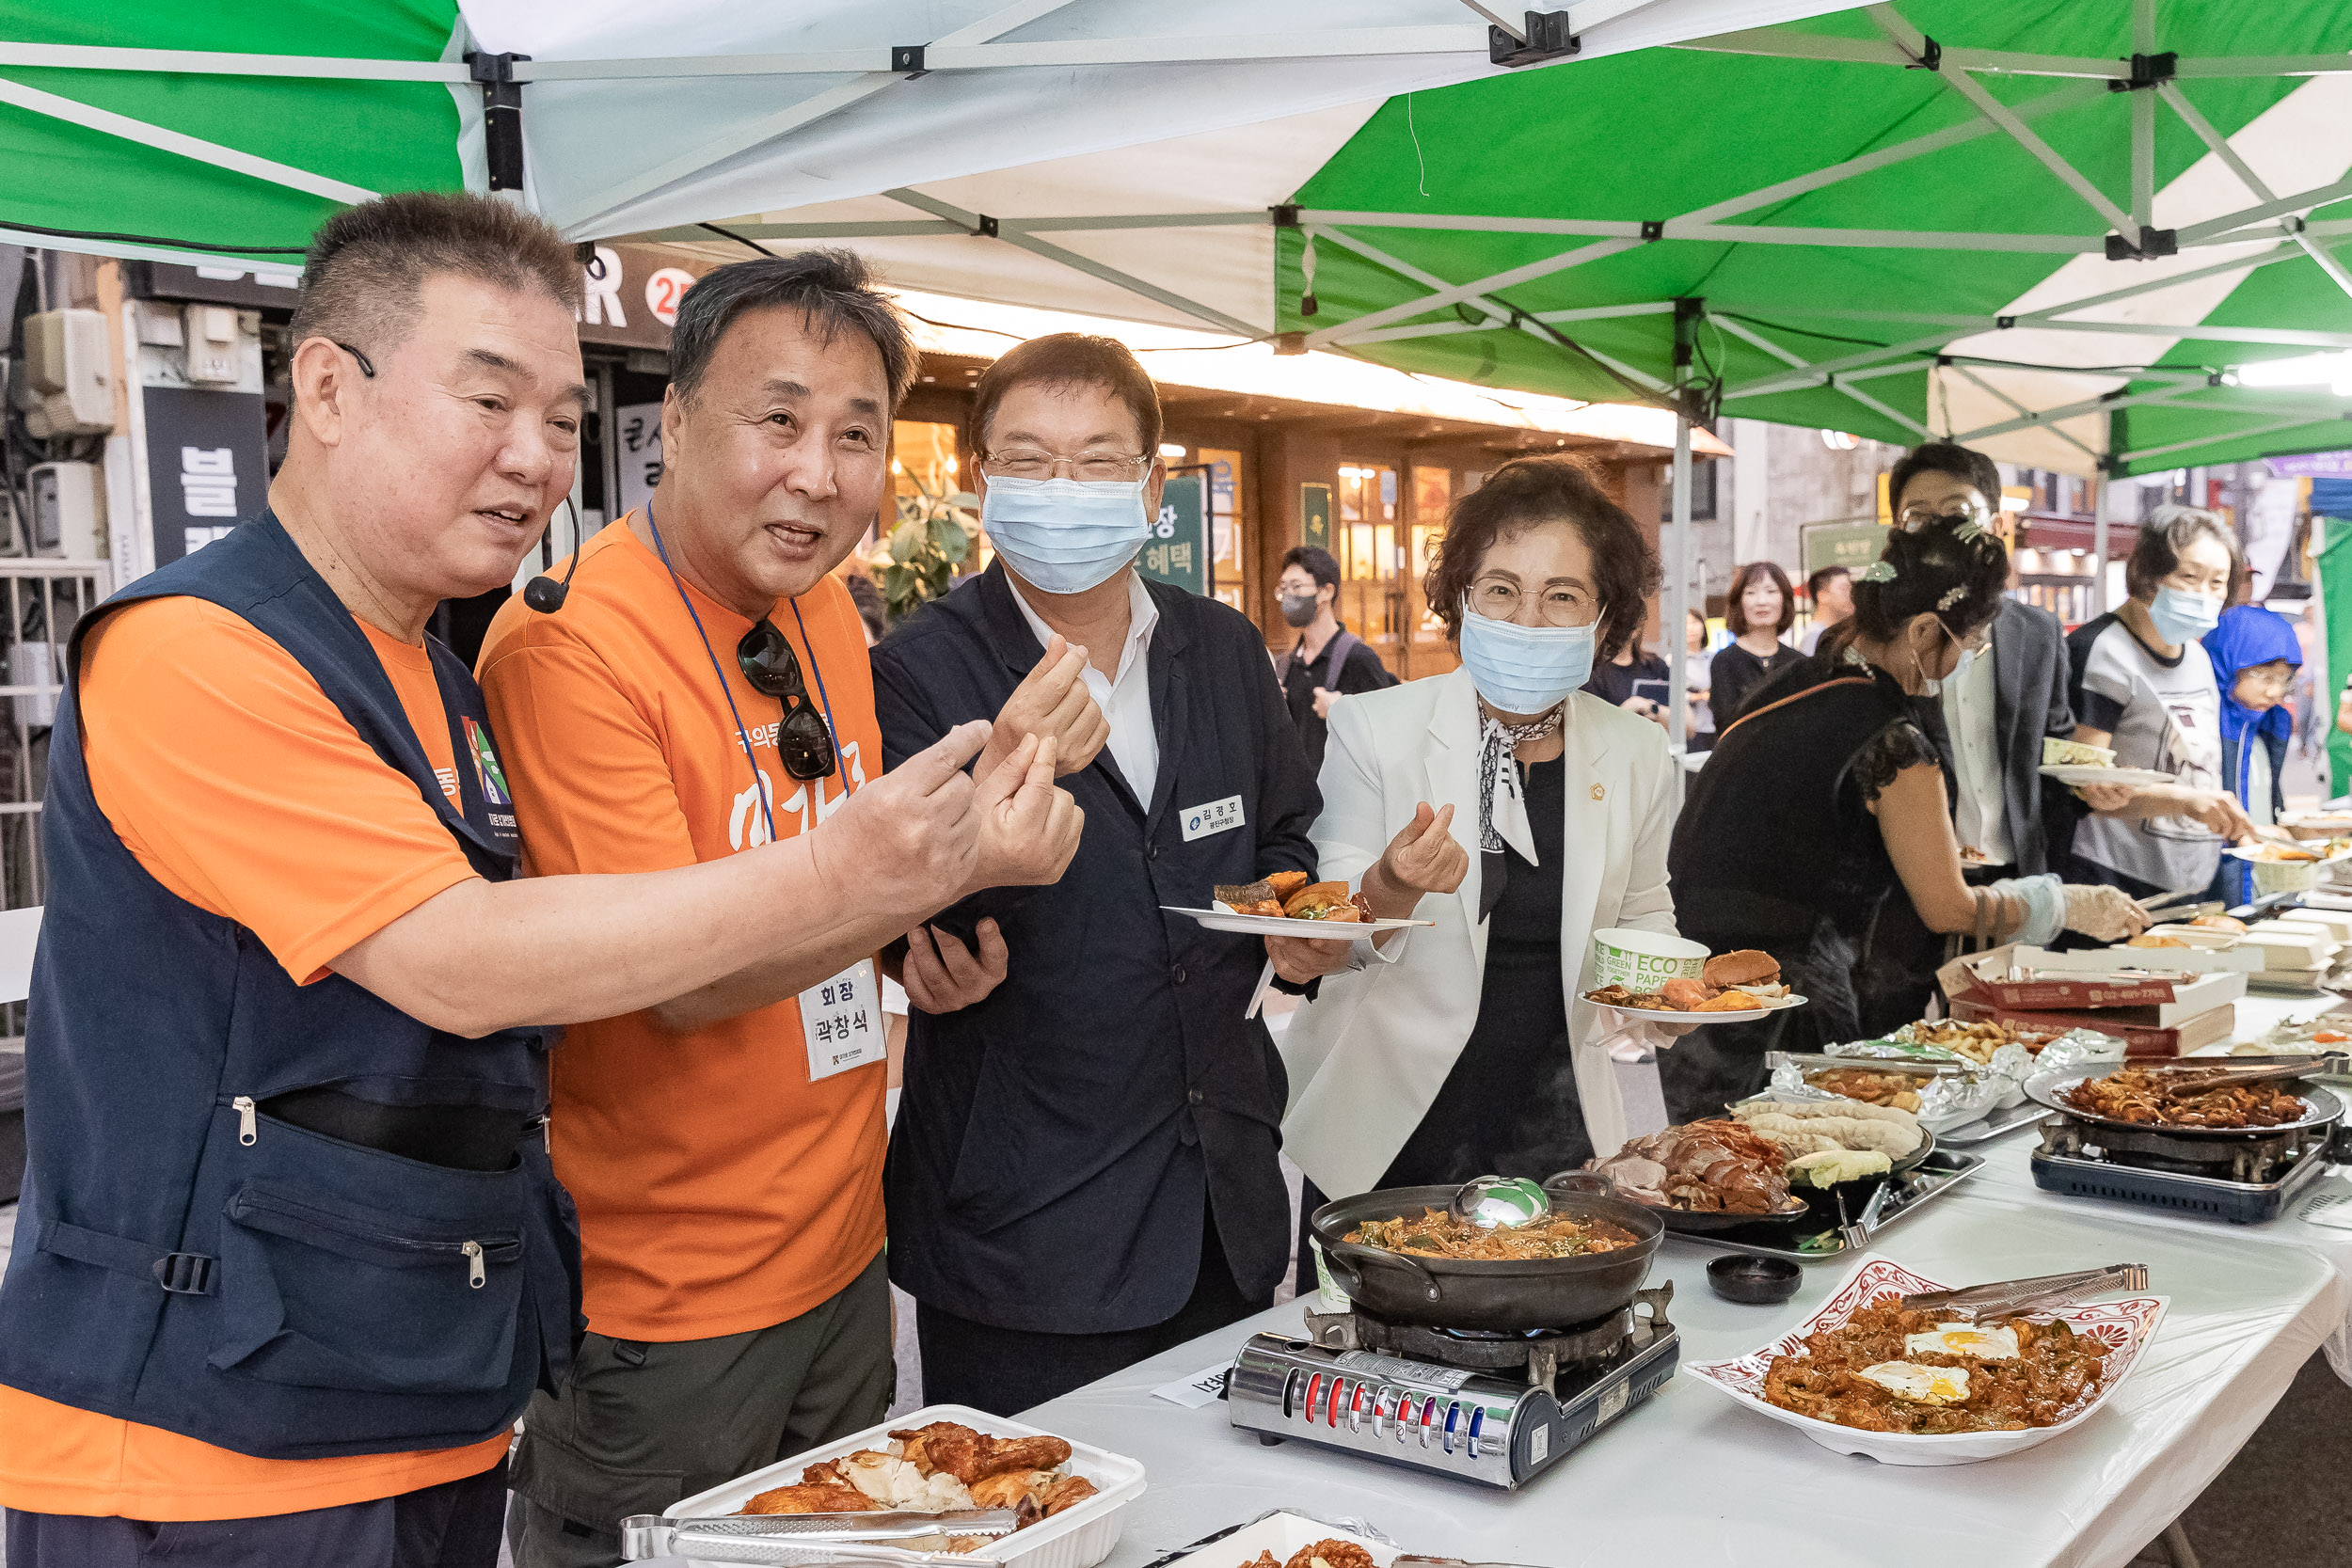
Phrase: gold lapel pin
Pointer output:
(1599, 794)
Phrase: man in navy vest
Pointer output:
(291, 1258)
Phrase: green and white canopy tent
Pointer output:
(233, 128)
(2085, 237)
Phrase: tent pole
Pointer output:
(2099, 523)
(1676, 632)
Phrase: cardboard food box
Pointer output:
(2226, 957)
(2012, 979)
(2281, 947)
(2137, 1027)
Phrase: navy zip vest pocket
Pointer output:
(345, 1268)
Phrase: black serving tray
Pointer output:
(1805, 1240)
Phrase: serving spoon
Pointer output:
(1499, 1203)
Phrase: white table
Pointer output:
(2008, 1178)
(1687, 1478)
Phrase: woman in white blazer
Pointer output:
(1518, 813)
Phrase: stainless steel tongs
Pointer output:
(890, 1537)
(2007, 1297)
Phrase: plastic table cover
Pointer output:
(1689, 1478)
(2008, 1177)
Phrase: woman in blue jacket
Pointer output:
(2255, 655)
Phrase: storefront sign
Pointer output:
(1853, 546)
(636, 446)
(1314, 508)
(1178, 551)
(207, 465)
(2312, 465)
(633, 292)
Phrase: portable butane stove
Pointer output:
(1489, 1407)
(2245, 1180)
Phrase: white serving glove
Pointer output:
(2103, 913)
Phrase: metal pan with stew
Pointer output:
(1402, 1256)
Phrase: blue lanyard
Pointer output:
(759, 780)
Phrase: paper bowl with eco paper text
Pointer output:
(1644, 960)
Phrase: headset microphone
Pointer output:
(543, 592)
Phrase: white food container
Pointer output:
(1283, 1534)
(1079, 1537)
(1644, 960)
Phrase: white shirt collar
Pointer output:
(1143, 616)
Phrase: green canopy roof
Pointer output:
(90, 153)
(1822, 200)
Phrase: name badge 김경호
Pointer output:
(841, 1021)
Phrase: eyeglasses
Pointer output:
(1911, 519)
(1101, 468)
(804, 740)
(1556, 607)
(367, 370)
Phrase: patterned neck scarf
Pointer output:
(1501, 811)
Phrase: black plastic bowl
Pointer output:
(1753, 1281)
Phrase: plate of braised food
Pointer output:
(1292, 904)
(1921, 1384)
(1705, 1176)
(1732, 988)
(2195, 1098)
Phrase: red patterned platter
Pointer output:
(2126, 1326)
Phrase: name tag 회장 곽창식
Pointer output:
(1215, 816)
(842, 1022)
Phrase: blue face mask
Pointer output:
(1525, 670)
(2181, 616)
(1064, 535)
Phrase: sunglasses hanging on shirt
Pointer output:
(805, 740)
(773, 671)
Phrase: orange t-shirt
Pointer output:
(719, 1189)
(243, 789)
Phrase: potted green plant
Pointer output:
(932, 540)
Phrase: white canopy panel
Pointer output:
(640, 117)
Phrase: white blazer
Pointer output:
(1367, 1057)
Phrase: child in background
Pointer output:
(2255, 655)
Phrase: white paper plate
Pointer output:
(2082, 774)
(1280, 925)
(1669, 1015)
(2126, 1327)
(2252, 854)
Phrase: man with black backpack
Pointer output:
(1329, 661)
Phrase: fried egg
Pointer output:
(1908, 1380)
(1985, 1344)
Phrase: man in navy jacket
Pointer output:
(1083, 1170)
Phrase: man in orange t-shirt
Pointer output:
(286, 1021)
(703, 688)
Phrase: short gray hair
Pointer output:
(832, 291)
(2168, 530)
(367, 263)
